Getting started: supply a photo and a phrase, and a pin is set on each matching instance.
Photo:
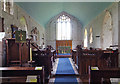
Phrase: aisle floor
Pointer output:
(64, 71)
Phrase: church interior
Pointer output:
(59, 42)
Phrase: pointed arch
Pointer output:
(23, 23)
(76, 28)
(63, 28)
(85, 38)
(107, 31)
(91, 35)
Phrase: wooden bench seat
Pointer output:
(98, 58)
(96, 76)
(17, 74)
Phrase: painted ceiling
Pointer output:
(42, 12)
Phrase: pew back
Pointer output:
(43, 58)
(95, 76)
(10, 72)
(99, 58)
(87, 58)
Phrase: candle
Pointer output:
(30, 54)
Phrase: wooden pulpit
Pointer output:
(18, 49)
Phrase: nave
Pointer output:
(84, 66)
(31, 36)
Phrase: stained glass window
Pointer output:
(63, 29)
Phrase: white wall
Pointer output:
(15, 20)
(97, 25)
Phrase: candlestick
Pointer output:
(30, 54)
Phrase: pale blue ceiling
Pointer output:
(42, 12)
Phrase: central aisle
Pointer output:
(64, 66)
(65, 72)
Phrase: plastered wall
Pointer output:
(97, 25)
(15, 20)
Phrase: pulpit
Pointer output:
(17, 53)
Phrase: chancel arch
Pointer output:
(107, 31)
(73, 24)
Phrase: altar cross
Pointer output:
(21, 36)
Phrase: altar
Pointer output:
(64, 49)
(63, 46)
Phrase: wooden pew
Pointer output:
(74, 54)
(109, 58)
(43, 58)
(21, 72)
(99, 58)
(53, 55)
(75, 57)
(87, 58)
(96, 76)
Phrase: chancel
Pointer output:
(59, 42)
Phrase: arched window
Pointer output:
(85, 39)
(107, 31)
(23, 23)
(91, 35)
(7, 6)
(63, 29)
